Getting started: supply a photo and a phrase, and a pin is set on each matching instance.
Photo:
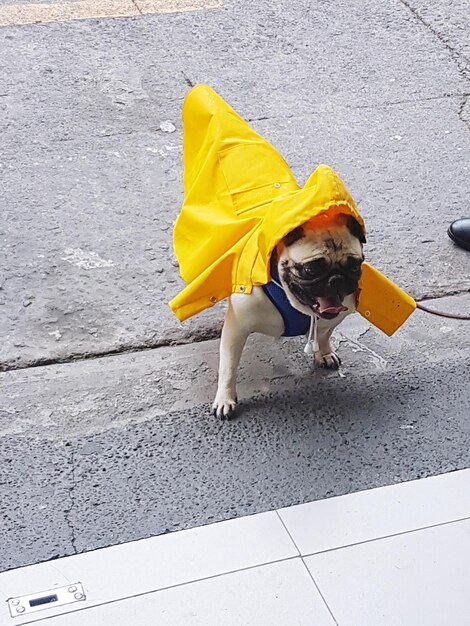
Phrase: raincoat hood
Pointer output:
(240, 201)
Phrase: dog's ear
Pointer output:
(294, 236)
(355, 229)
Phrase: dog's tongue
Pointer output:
(330, 306)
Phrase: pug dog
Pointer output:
(319, 268)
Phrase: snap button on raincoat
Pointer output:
(240, 201)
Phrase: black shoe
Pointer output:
(459, 232)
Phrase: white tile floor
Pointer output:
(397, 555)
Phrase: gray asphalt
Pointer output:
(97, 451)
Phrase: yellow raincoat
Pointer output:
(240, 200)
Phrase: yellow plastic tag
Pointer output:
(381, 302)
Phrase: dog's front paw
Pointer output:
(224, 406)
(330, 361)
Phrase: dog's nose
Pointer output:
(336, 283)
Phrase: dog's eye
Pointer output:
(352, 264)
(312, 269)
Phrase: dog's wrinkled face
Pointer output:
(320, 263)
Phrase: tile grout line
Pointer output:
(134, 2)
(319, 591)
(288, 533)
(146, 593)
(308, 571)
(398, 534)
